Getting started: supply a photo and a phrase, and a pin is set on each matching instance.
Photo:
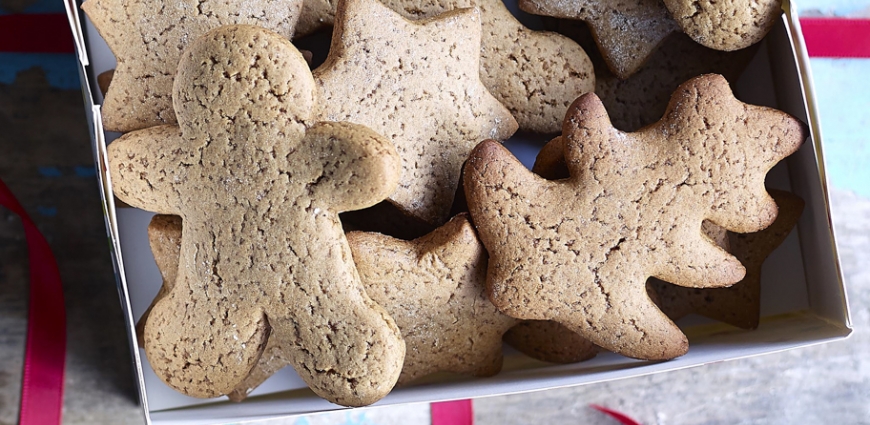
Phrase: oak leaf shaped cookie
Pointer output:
(262, 251)
(579, 250)
(726, 25)
(434, 287)
(740, 304)
(148, 37)
(417, 83)
(627, 33)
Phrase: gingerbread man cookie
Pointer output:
(148, 37)
(259, 187)
(579, 250)
(417, 83)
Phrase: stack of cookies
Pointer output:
(252, 161)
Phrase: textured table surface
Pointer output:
(45, 158)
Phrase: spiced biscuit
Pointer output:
(148, 37)
(550, 341)
(626, 33)
(579, 250)
(434, 287)
(417, 83)
(164, 238)
(725, 25)
(641, 99)
(534, 74)
(259, 187)
(738, 305)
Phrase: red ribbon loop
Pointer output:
(45, 352)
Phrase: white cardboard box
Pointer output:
(803, 297)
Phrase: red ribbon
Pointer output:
(620, 417)
(45, 352)
(458, 412)
(837, 37)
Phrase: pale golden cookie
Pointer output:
(417, 83)
(263, 254)
(579, 250)
(148, 37)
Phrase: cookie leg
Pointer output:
(631, 325)
(343, 345)
(198, 349)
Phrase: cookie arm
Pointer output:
(353, 167)
(146, 167)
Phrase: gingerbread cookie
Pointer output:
(641, 99)
(535, 74)
(627, 33)
(550, 341)
(417, 83)
(579, 250)
(262, 252)
(164, 237)
(434, 287)
(148, 37)
(726, 25)
(738, 305)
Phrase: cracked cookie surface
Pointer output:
(418, 84)
(627, 32)
(726, 24)
(740, 304)
(434, 287)
(579, 250)
(148, 37)
(259, 187)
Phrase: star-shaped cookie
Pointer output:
(417, 83)
(640, 100)
(259, 187)
(627, 33)
(726, 25)
(148, 37)
(579, 250)
(434, 287)
(738, 305)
